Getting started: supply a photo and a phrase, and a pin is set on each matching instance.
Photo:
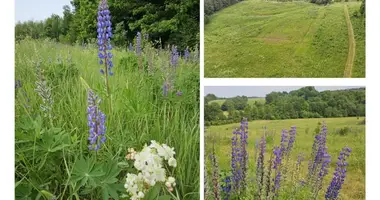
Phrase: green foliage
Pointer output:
(168, 21)
(52, 156)
(305, 102)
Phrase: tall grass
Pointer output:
(136, 112)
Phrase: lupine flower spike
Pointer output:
(339, 175)
(96, 122)
(104, 41)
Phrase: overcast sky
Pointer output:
(260, 91)
(38, 9)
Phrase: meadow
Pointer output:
(251, 101)
(341, 132)
(149, 98)
(257, 38)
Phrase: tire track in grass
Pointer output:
(351, 47)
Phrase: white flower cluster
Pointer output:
(150, 164)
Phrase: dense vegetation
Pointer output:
(212, 6)
(302, 103)
(98, 122)
(265, 139)
(168, 21)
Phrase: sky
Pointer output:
(38, 9)
(261, 91)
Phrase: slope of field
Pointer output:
(268, 39)
(358, 24)
(354, 186)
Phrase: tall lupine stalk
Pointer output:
(288, 150)
(104, 41)
(339, 175)
(227, 188)
(186, 54)
(278, 152)
(215, 175)
(243, 152)
(296, 175)
(323, 171)
(96, 122)
(44, 91)
(318, 151)
(138, 50)
(234, 161)
(260, 167)
(268, 179)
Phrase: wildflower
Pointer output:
(96, 122)
(234, 160)
(179, 93)
(44, 91)
(260, 165)
(138, 44)
(104, 34)
(339, 175)
(130, 47)
(150, 165)
(187, 54)
(276, 165)
(292, 138)
(174, 57)
(227, 187)
(215, 175)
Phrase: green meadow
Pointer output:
(49, 147)
(256, 38)
(354, 185)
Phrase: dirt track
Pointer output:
(351, 48)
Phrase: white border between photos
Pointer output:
(7, 182)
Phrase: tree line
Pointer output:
(167, 21)
(305, 102)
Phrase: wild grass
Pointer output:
(136, 113)
(269, 39)
(354, 185)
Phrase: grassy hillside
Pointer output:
(251, 101)
(256, 38)
(354, 185)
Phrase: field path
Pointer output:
(352, 44)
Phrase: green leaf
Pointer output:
(164, 197)
(153, 192)
(86, 172)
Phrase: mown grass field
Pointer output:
(354, 185)
(136, 113)
(257, 38)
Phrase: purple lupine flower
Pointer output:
(284, 140)
(215, 175)
(300, 159)
(179, 93)
(227, 187)
(318, 152)
(96, 122)
(276, 166)
(130, 47)
(260, 165)
(104, 38)
(243, 153)
(292, 138)
(165, 88)
(235, 161)
(186, 54)
(339, 175)
(174, 57)
(138, 44)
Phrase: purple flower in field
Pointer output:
(186, 54)
(174, 57)
(318, 152)
(138, 44)
(260, 165)
(276, 166)
(130, 47)
(284, 140)
(179, 93)
(104, 37)
(235, 160)
(165, 88)
(243, 153)
(96, 122)
(215, 175)
(292, 138)
(227, 187)
(339, 175)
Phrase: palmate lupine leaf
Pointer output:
(86, 172)
(108, 181)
